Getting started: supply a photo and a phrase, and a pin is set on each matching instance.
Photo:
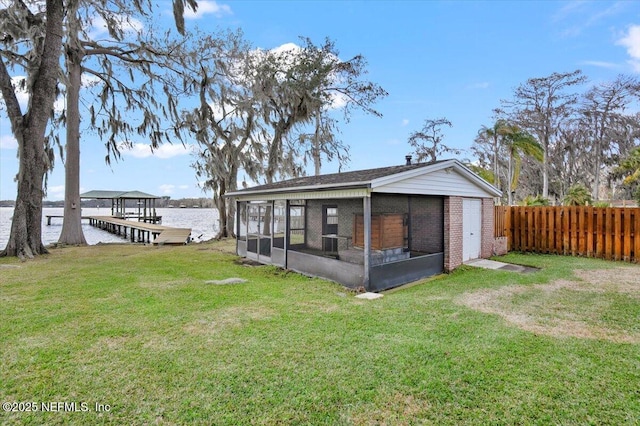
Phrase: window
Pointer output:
(332, 215)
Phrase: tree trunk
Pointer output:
(72, 223)
(545, 168)
(316, 147)
(25, 240)
(496, 170)
(510, 178)
(221, 205)
(226, 210)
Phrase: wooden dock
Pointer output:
(58, 216)
(142, 232)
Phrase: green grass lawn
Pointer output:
(137, 329)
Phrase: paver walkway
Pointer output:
(492, 264)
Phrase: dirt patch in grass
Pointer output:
(396, 409)
(220, 320)
(597, 304)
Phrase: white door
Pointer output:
(471, 229)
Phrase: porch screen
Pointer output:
(278, 223)
(242, 228)
(297, 224)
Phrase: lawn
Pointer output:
(128, 334)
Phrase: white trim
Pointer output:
(363, 188)
(312, 195)
(453, 164)
(297, 189)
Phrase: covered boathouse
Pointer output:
(374, 229)
(128, 204)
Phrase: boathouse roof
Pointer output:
(109, 195)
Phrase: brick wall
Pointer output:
(314, 224)
(427, 226)
(487, 228)
(346, 210)
(386, 203)
(452, 233)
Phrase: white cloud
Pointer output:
(167, 189)
(580, 15)
(405, 122)
(99, 28)
(287, 48)
(90, 80)
(141, 150)
(21, 94)
(632, 42)
(55, 192)
(206, 7)
(601, 64)
(8, 142)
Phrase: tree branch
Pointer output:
(10, 99)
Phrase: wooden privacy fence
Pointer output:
(603, 232)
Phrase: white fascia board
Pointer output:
(306, 195)
(327, 187)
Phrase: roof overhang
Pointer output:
(314, 193)
(360, 189)
(448, 165)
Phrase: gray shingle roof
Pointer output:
(357, 177)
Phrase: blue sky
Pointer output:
(453, 59)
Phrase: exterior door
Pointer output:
(471, 229)
(330, 228)
(259, 231)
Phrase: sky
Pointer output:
(452, 59)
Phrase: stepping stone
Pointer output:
(369, 296)
(226, 281)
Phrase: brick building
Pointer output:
(373, 229)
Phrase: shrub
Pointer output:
(538, 200)
(577, 195)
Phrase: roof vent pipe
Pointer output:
(408, 158)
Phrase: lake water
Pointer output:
(203, 224)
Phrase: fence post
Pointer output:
(636, 236)
(627, 234)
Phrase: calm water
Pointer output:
(203, 224)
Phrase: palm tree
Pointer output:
(630, 166)
(577, 195)
(496, 135)
(519, 143)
